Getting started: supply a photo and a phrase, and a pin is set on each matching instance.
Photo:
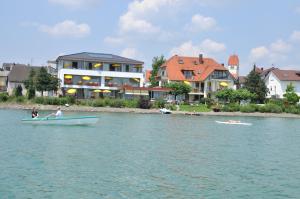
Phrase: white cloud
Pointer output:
(67, 28)
(75, 3)
(114, 40)
(206, 47)
(280, 46)
(129, 53)
(295, 36)
(201, 23)
(259, 53)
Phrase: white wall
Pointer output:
(277, 87)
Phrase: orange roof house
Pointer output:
(148, 75)
(233, 60)
(200, 67)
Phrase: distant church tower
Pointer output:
(234, 66)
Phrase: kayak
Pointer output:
(76, 120)
(165, 111)
(235, 123)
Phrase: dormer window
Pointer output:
(195, 63)
(180, 61)
(188, 74)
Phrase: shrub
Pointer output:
(250, 108)
(170, 107)
(70, 99)
(98, 103)
(160, 103)
(230, 108)
(3, 97)
(292, 109)
(39, 100)
(131, 103)
(208, 101)
(20, 99)
(30, 93)
(270, 108)
(18, 91)
(144, 103)
(117, 103)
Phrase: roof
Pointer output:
(159, 89)
(148, 75)
(233, 60)
(100, 57)
(242, 79)
(287, 75)
(20, 72)
(201, 70)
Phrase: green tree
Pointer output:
(18, 91)
(44, 81)
(157, 62)
(30, 84)
(242, 94)
(290, 95)
(255, 84)
(225, 95)
(179, 88)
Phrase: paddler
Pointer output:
(34, 113)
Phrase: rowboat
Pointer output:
(76, 120)
(234, 123)
(165, 111)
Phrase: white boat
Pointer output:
(76, 120)
(165, 111)
(234, 123)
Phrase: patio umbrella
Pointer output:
(224, 84)
(106, 91)
(71, 91)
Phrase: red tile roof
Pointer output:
(287, 75)
(148, 75)
(201, 70)
(233, 60)
(159, 89)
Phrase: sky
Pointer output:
(262, 32)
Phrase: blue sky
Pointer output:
(262, 32)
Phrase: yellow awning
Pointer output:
(97, 91)
(106, 91)
(138, 66)
(97, 65)
(224, 84)
(187, 83)
(136, 79)
(108, 78)
(68, 76)
(71, 91)
(116, 65)
(86, 78)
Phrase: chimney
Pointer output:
(262, 69)
(223, 64)
(201, 59)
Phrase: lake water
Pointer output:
(150, 156)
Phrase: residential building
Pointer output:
(234, 65)
(18, 74)
(205, 75)
(277, 81)
(87, 75)
(147, 78)
(3, 80)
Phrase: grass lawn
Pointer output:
(196, 108)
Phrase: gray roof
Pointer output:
(100, 57)
(20, 72)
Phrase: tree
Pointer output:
(179, 88)
(290, 95)
(232, 96)
(30, 84)
(43, 81)
(256, 85)
(157, 62)
(18, 91)
(225, 95)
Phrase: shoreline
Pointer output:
(75, 108)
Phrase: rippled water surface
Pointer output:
(150, 156)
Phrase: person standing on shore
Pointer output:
(34, 113)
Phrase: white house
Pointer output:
(87, 75)
(277, 81)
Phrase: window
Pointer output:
(90, 66)
(127, 68)
(180, 61)
(188, 74)
(219, 75)
(75, 65)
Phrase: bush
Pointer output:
(20, 99)
(250, 108)
(230, 108)
(117, 103)
(292, 109)
(171, 107)
(144, 103)
(160, 103)
(208, 101)
(18, 91)
(131, 103)
(270, 108)
(3, 97)
(39, 100)
(98, 103)
(30, 93)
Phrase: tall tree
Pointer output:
(30, 84)
(290, 95)
(157, 62)
(43, 81)
(255, 84)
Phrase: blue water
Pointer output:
(150, 156)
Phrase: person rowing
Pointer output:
(34, 113)
(234, 121)
(58, 113)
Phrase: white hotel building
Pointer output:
(88, 75)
